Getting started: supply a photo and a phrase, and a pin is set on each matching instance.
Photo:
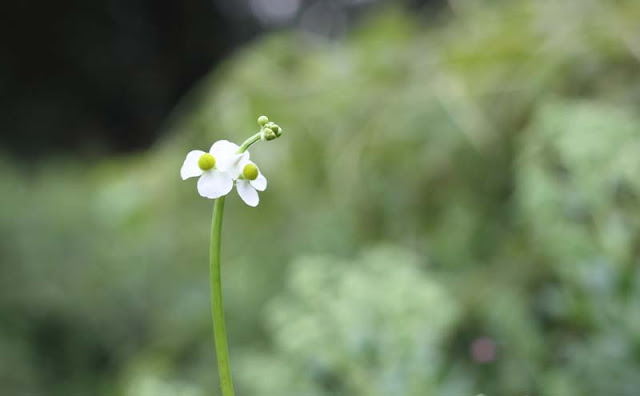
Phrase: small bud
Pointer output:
(262, 120)
(268, 134)
(206, 162)
(250, 172)
(276, 129)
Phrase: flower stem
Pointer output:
(247, 143)
(219, 329)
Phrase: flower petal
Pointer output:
(223, 148)
(248, 194)
(214, 184)
(190, 166)
(233, 164)
(260, 183)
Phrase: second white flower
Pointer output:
(250, 181)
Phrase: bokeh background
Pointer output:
(453, 208)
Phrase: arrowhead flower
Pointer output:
(225, 164)
(217, 168)
(249, 182)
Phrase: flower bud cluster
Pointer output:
(270, 130)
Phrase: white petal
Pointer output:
(248, 194)
(190, 166)
(214, 184)
(260, 183)
(233, 164)
(223, 148)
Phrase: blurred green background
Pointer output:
(453, 209)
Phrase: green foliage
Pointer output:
(580, 193)
(374, 326)
(500, 145)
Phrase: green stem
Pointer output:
(219, 329)
(247, 143)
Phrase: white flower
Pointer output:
(217, 168)
(249, 182)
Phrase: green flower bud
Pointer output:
(250, 172)
(262, 120)
(206, 162)
(271, 130)
(269, 134)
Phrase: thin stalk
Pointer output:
(247, 143)
(217, 309)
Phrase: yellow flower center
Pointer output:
(206, 161)
(250, 172)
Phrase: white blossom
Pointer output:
(249, 182)
(217, 169)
